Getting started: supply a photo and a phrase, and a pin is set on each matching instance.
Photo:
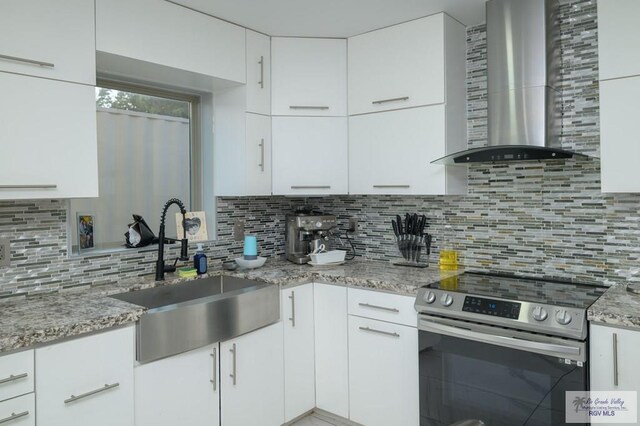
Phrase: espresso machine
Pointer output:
(306, 231)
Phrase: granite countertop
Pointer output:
(616, 307)
(80, 310)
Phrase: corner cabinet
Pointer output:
(182, 389)
(407, 107)
(251, 372)
(86, 381)
(49, 139)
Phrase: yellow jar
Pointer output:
(448, 260)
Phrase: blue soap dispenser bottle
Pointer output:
(200, 261)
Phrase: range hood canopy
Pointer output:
(523, 95)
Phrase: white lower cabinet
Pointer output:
(182, 389)
(331, 348)
(16, 374)
(251, 378)
(614, 354)
(299, 365)
(19, 411)
(87, 381)
(383, 373)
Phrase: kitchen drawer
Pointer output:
(87, 381)
(16, 374)
(19, 411)
(382, 306)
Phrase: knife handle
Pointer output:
(395, 228)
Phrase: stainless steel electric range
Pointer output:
(501, 349)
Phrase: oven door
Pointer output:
(503, 377)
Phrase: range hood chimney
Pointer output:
(523, 94)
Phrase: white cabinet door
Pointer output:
(182, 389)
(309, 155)
(258, 73)
(391, 153)
(398, 67)
(87, 381)
(309, 76)
(604, 343)
(48, 139)
(608, 345)
(618, 38)
(258, 155)
(299, 373)
(383, 373)
(166, 34)
(251, 378)
(19, 411)
(332, 358)
(52, 39)
(16, 374)
(619, 145)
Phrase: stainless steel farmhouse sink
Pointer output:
(191, 315)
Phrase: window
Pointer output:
(148, 152)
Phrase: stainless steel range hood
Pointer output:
(523, 93)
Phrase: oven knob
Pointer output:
(446, 299)
(563, 317)
(539, 313)
(318, 224)
(429, 297)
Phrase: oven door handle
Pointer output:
(563, 351)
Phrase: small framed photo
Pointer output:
(196, 226)
(86, 224)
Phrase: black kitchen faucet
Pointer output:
(184, 256)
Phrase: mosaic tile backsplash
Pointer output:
(544, 219)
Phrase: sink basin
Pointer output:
(187, 316)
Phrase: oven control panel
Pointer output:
(499, 308)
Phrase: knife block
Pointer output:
(416, 255)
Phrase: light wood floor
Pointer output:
(314, 419)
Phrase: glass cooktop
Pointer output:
(557, 293)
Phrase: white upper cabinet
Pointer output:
(391, 153)
(49, 139)
(398, 67)
(309, 76)
(52, 39)
(618, 38)
(619, 145)
(166, 34)
(258, 73)
(309, 155)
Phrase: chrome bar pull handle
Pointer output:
(214, 355)
(308, 107)
(233, 364)
(293, 308)
(106, 387)
(261, 145)
(392, 186)
(43, 186)
(382, 308)
(310, 186)
(261, 62)
(14, 416)
(384, 101)
(27, 61)
(615, 359)
(13, 378)
(373, 330)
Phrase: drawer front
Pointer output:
(383, 306)
(18, 411)
(87, 381)
(16, 374)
